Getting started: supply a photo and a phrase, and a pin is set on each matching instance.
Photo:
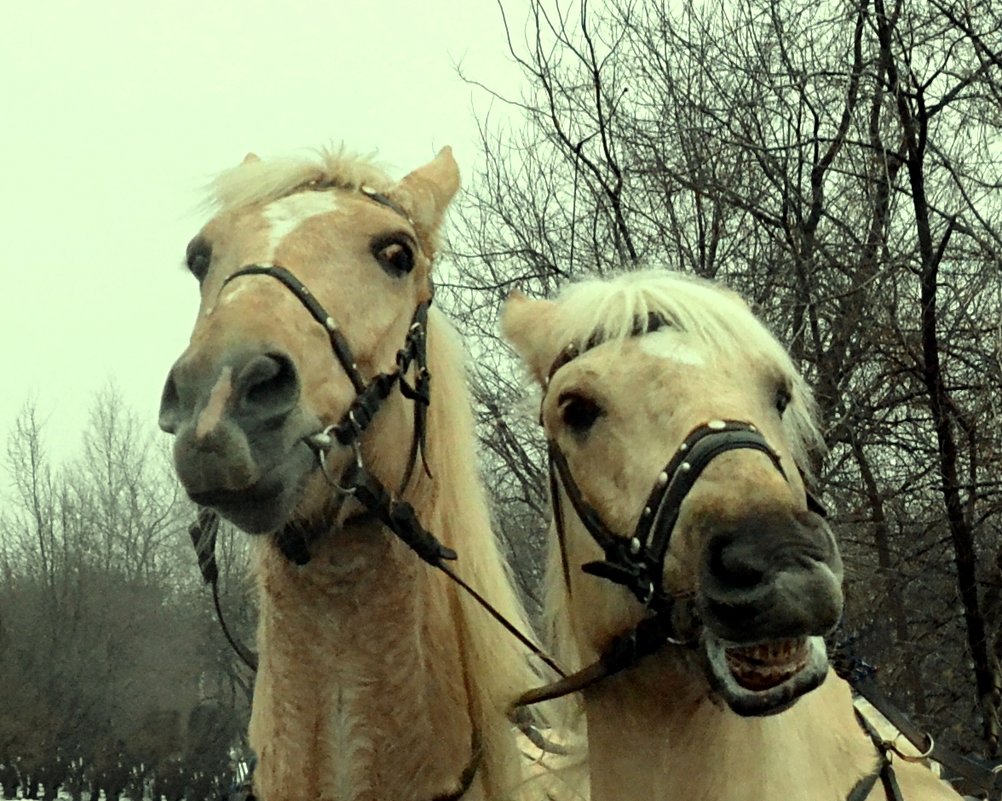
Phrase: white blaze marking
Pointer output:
(214, 407)
(235, 290)
(668, 345)
(283, 217)
(287, 213)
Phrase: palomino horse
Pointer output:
(686, 554)
(301, 413)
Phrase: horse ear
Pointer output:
(426, 191)
(523, 322)
(250, 158)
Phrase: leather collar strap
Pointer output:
(884, 770)
(977, 772)
(469, 772)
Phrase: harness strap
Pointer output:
(646, 638)
(860, 676)
(469, 772)
(339, 344)
(884, 770)
(397, 515)
(400, 518)
(203, 533)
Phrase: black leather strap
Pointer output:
(700, 448)
(884, 770)
(861, 677)
(342, 352)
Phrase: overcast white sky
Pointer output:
(115, 113)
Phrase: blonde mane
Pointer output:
(497, 667)
(257, 181)
(600, 310)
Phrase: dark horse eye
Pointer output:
(578, 412)
(394, 255)
(783, 398)
(198, 257)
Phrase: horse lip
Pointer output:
(259, 492)
(265, 504)
(752, 703)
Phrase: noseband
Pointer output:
(637, 563)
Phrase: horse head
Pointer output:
(311, 275)
(679, 434)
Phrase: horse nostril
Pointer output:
(268, 388)
(732, 563)
(170, 401)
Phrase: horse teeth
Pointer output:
(761, 667)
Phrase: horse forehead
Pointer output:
(284, 215)
(673, 347)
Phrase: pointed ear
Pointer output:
(426, 192)
(250, 158)
(524, 323)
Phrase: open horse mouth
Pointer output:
(767, 677)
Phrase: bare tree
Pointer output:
(833, 162)
(115, 674)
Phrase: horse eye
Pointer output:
(199, 257)
(783, 398)
(395, 256)
(578, 412)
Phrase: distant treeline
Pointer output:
(114, 676)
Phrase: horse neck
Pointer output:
(650, 739)
(360, 694)
(374, 671)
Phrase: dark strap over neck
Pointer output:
(469, 772)
(884, 770)
(861, 677)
